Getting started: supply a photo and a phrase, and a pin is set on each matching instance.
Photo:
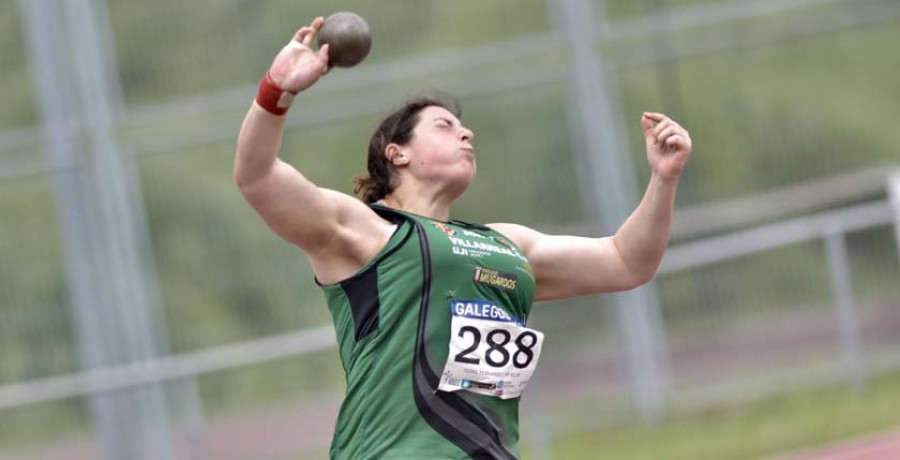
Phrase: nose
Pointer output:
(467, 134)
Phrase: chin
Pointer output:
(459, 186)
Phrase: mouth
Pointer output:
(470, 150)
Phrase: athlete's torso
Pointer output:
(392, 320)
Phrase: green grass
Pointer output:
(39, 425)
(756, 430)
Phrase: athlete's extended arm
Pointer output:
(569, 266)
(329, 226)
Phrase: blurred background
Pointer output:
(147, 313)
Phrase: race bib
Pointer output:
(491, 353)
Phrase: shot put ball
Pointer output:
(348, 36)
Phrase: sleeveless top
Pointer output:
(392, 320)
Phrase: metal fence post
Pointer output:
(845, 306)
(608, 183)
(42, 24)
(893, 187)
(137, 320)
(538, 432)
(114, 304)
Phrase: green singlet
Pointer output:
(392, 320)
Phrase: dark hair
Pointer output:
(396, 128)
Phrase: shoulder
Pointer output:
(359, 234)
(351, 212)
(524, 237)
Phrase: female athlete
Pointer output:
(430, 313)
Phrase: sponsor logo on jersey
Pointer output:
(444, 228)
(495, 278)
(463, 246)
(472, 234)
(480, 309)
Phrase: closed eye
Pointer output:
(444, 123)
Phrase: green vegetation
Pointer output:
(32, 283)
(747, 431)
(44, 425)
(19, 108)
(201, 46)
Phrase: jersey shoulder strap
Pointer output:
(390, 214)
(461, 223)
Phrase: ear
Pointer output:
(396, 155)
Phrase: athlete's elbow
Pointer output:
(243, 180)
(240, 173)
(641, 274)
(246, 177)
(238, 178)
(643, 278)
(251, 168)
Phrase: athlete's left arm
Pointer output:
(570, 266)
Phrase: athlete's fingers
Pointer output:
(314, 29)
(676, 140)
(666, 134)
(323, 55)
(646, 124)
(660, 127)
(302, 34)
(657, 117)
(323, 52)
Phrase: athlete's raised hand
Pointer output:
(297, 66)
(668, 145)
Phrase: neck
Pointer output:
(421, 202)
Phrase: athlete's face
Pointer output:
(441, 149)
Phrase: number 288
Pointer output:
(497, 355)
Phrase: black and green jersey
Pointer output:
(392, 320)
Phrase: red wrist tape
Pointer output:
(272, 98)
